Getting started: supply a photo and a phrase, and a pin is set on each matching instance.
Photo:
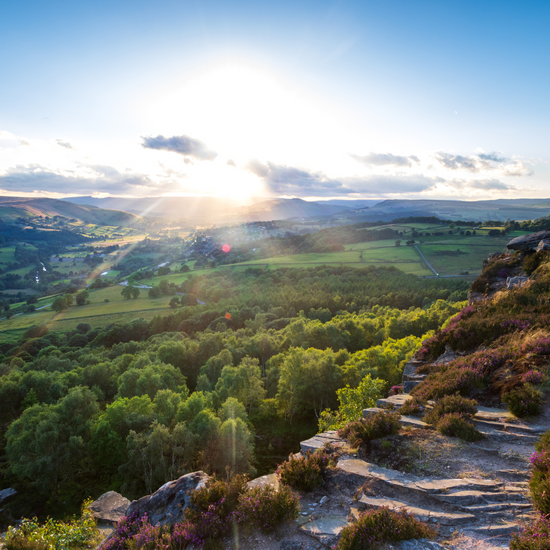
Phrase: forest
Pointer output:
(128, 407)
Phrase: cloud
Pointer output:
(231, 162)
(484, 162)
(380, 185)
(65, 144)
(183, 145)
(490, 184)
(386, 159)
(91, 179)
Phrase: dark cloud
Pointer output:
(493, 157)
(183, 145)
(386, 159)
(65, 144)
(457, 162)
(105, 179)
(483, 185)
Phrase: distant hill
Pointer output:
(12, 208)
(214, 209)
(499, 210)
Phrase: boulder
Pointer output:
(513, 282)
(110, 507)
(526, 243)
(5, 494)
(166, 505)
(543, 245)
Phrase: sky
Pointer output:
(310, 99)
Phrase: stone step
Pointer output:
(396, 401)
(498, 507)
(409, 421)
(481, 422)
(436, 486)
(507, 437)
(409, 385)
(468, 498)
(514, 475)
(505, 529)
(427, 514)
(320, 440)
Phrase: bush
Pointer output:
(375, 527)
(455, 425)
(532, 377)
(543, 444)
(305, 472)
(412, 407)
(524, 401)
(536, 537)
(265, 508)
(19, 542)
(75, 533)
(451, 404)
(373, 427)
(539, 484)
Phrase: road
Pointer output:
(426, 261)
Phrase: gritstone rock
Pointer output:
(110, 507)
(168, 503)
(528, 242)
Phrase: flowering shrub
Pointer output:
(265, 508)
(375, 527)
(412, 407)
(516, 323)
(451, 404)
(539, 484)
(19, 542)
(523, 401)
(373, 427)
(532, 377)
(127, 528)
(305, 472)
(54, 534)
(536, 537)
(456, 425)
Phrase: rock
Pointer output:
(5, 494)
(328, 525)
(291, 545)
(529, 242)
(513, 282)
(324, 500)
(543, 245)
(110, 507)
(168, 503)
(269, 480)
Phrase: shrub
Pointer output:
(523, 401)
(455, 425)
(413, 407)
(539, 484)
(373, 427)
(305, 472)
(265, 508)
(125, 530)
(451, 404)
(532, 377)
(75, 533)
(375, 527)
(19, 542)
(536, 537)
(543, 444)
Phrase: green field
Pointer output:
(97, 313)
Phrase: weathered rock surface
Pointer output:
(5, 494)
(110, 507)
(514, 282)
(168, 503)
(529, 242)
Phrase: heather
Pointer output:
(374, 426)
(451, 404)
(535, 537)
(457, 425)
(375, 527)
(304, 472)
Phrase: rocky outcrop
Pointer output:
(168, 503)
(110, 507)
(5, 494)
(528, 243)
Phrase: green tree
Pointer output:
(155, 292)
(82, 297)
(135, 292)
(126, 292)
(174, 302)
(60, 304)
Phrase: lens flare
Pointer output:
(226, 248)
(228, 316)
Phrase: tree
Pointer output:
(164, 286)
(174, 302)
(398, 242)
(155, 292)
(135, 292)
(185, 269)
(82, 297)
(126, 292)
(60, 304)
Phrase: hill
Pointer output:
(498, 210)
(213, 209)
(12, 208)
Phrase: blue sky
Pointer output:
(308, 99)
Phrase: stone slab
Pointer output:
(468, 498)
(365, 469)
(110, 507)
(269, 480)
(437, 486)
(498, 530)
(5, 494)
(329, 525)
(404, 420)
(320, 440)
(422, 514)
(396, 400)
(409, 385)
